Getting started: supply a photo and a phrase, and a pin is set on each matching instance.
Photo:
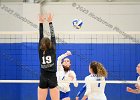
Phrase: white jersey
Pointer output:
(63, 76)
(138, 80)
(95, 91)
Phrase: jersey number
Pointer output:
(46, 60)
(98, 83)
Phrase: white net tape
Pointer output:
(79, 81)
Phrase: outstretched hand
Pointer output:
(49, 17)
(128, 89)
(68, 53)
(42, 18)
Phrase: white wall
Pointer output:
(16, 16)
(74, 0)
(7, 21)
(124, 16)
(31, 12)
(121, 15)
(99, 0)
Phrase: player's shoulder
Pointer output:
(102, 78)
(71, 71)
(87, 77)
(138, 78)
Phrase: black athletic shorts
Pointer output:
(48, 80)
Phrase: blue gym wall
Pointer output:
(20, 61)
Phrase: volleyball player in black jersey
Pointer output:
(47, 57)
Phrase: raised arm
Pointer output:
(53, 40)
(41, 21)
(60, 69)
(59, 60)
(40, 31)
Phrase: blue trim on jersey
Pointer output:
(81, 91)
(64, 95)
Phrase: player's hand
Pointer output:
(42, 18)
(49, 17)
(137, 86)
(128, 89)
(77, 98)
(68, 53)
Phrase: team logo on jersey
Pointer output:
(47, 66)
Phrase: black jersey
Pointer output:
(47, 61)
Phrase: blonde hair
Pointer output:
(98, 69)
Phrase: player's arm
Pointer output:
(72, 77)
(88, 89)
(136, 91)
(59, 60)
(53, 40)
(80, 92)
(137, 86)
(41, 21)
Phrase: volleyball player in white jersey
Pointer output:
(94, 90)
(137, 90)
(65, 74)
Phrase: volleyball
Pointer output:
(77, 23)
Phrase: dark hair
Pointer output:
(64, 59)
(98, 69)
(66, 69)
(45, 44)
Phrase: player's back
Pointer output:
(95, 90)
